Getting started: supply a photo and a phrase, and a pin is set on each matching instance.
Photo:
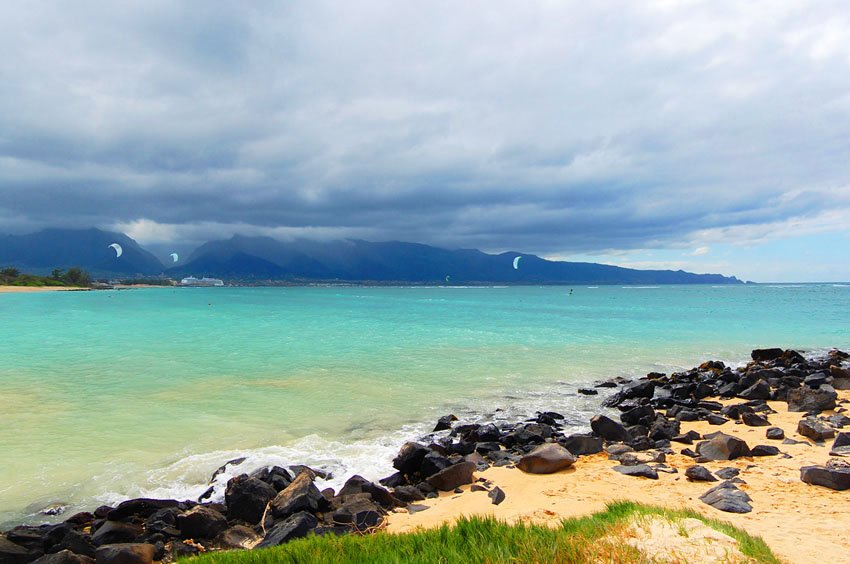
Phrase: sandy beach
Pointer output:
(29, 289)
(800, 522)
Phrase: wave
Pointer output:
(640, 287)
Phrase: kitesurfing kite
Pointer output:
(516, 263)
(174, 257)
(117, 248)
(447, 277)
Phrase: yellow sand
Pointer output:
(801, 523)
(21, 289)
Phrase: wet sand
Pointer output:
(801, 523)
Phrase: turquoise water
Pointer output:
(108, 395)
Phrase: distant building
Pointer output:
(192, 281)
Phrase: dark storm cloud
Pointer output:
(547, 127)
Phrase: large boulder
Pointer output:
(13, 553)
(456, 475)
(546, 459)
(295, 526)
(609, 429)
(815, 429)
(444, 423)
(201, 522)
(765, 355)
(359, 484)
(247, 498)
(832, 478)
(754, 420)
(276, 477)
(112, 532)
(758, 391)
(841, 445)
(301, 495)
(580, 445)
(806, 399)
(723, 447)
(409, 457)
(699, 474)
(125, 553)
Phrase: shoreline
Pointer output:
(796, 519)
(30, 289)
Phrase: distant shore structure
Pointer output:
(192, 281)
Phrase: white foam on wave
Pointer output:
(640, 287)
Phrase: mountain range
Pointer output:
(255, 259)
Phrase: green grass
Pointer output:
(486, 540)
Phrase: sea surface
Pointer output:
(116, 394)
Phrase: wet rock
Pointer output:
(775, 433)
(639, 470)
(609, 429)
(808, 400)
(361, 515)
(238, 536)
(490, 433)
(815, 380)
(76, 542)
(112, 532)
(663, 429)
(276, 477)
(444, 423)
(247, 498)
(301, 495)
(765, 355)
(727, 497)
(125, 553)
(13, 553)
(640, 415)
(409, 458)
(588, 391)
(496, 495)
(456, 475)
(581, 445)
(723, 447)
(142, 507)
(832, 478)
(755, 420)
(546, 459)
(759, 390)
(432, 463)
(295, 526)
(764, 450)
(815, 429)
(223, 468)
(201, 522)
(62, 557)
(699, 474)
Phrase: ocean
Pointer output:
(110, 395)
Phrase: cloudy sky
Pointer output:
(711, 136)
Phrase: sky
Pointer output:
(711, 136)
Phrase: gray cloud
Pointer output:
(548, 127)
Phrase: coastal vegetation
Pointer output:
(73, 277)
(595, 538)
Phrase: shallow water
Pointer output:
(109, 395)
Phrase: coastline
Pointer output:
(799, 521)
(30, 289)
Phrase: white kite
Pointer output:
(117, 248)
(174, 257)
(516, 263)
